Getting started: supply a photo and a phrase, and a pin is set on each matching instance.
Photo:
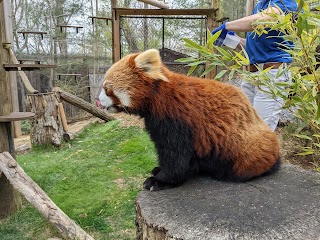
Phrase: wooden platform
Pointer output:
(32, 32)
(26, 67)
(100, 18)
(70, 26)
(165, 12)
(17, 116)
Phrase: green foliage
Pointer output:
(94, 180)
(303, 30)
(230, 60)
(25, 127)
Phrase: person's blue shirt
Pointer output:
(267, 47)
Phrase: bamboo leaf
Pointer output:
(184, 60)
(231, 74)
(209, 69)
(195, 63)
(299, 26)
(302, 136)
(224, 52)
(191, 43)
(220, 74)
(213, 38)
(191, 70)
(300, 5)
(242, 58)
(318, 111)
(305, 153)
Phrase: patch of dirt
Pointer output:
(290, 147)
(127, 120)
(22, 144)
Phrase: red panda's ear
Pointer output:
(150, 62)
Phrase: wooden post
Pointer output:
(212, 24)
(115, 32)
(8, 38)
(10, 200)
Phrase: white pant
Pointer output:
(267, 106)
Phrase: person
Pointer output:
(266, 52)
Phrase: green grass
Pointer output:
(94, 179)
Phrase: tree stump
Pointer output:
(46, 127)
(281, 206)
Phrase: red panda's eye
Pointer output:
(109, 92)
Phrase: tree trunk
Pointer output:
(46, 127)
(284, 205)
(39, 199)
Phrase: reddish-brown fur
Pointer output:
(219, 114)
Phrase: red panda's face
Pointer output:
(124, 81)
(117, 86)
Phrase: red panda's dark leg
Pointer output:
(174, 143)
(174, 170)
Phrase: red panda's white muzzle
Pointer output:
(107, 102)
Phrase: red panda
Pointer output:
(198, 126)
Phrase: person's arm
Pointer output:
(245, 24)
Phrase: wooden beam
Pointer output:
(32, 32)
(36, 61)
(70, 26)
(116, 34)
(69, 74)
(75, 75)
(78, 102)
(16, 116)
(100, 18)
(26, 67)
(155, 3)
(12, 75)
(249, 7)
(39, 199)
(212, 24)
(165, 12)
(23, 76)
(222, 19)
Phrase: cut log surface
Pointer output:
(39, 199)
(80, 103)
(284, 205)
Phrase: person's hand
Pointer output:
(222, 36)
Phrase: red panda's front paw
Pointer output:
(152, 184)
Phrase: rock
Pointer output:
(285, 205)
